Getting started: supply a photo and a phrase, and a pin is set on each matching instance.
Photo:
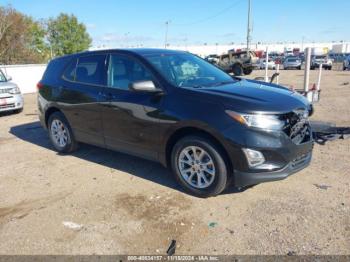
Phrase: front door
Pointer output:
(130, 119)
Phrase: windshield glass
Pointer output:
(187, 70)
(293, 59)
(2, 77)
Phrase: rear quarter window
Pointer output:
(54, 70)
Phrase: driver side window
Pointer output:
(122, 71)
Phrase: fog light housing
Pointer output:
(254, 157)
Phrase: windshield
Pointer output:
(293, 60)
(2, 77)
(320, 57)
(187, 70)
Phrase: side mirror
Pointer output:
(8, 78)
(144, 86)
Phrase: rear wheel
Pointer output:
(247, 71)
(199, 166)
(61, 134)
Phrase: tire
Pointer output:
(312, 68)
(58, 123)
(329, 68)
(217, 179)
(237, 70)
(299, 67)
(247, 71)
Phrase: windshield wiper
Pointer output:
(221, 83)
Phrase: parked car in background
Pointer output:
(214, 130)
(292, 62)
(238, 63)
(323, 60)
(213, 59)
(270, 64)
(346, 63)
(11, 98)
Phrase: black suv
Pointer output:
(212, 129)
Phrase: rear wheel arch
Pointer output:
(49, 112)
(194, 131)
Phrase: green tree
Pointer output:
(21, 38)
(66, 35)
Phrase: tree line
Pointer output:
(24, 40)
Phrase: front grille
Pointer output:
(5, 90)
(297, 126)
(7, 106)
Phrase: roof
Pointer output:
(138, 51)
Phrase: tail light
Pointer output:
(39, 86)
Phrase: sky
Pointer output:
(121, 23)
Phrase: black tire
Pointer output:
(237, 70)
(312, 68)
(247, 71)
(221, 175)
(299, 67)
(329, 68)
(71, 144)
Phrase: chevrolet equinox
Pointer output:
(214, 130)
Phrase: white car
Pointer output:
(270, 64)
(11, 98)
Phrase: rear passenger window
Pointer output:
(90, 69)
(69, 73)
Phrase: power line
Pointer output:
(225, 10)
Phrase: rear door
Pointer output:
(81, 97)
(130, 119)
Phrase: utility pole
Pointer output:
(166, 33)
(302, 44)
(249, 26)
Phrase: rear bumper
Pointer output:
(11, 102)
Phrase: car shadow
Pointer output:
(148, 170)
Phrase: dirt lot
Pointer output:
(125, 205)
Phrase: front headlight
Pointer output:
(269, 122)
(15, 91)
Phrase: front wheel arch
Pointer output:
(194, 131)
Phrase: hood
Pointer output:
(6, 85)
(248, 96)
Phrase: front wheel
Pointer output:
(61, 134)
(199, 166)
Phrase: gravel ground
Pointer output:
(97, 201)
